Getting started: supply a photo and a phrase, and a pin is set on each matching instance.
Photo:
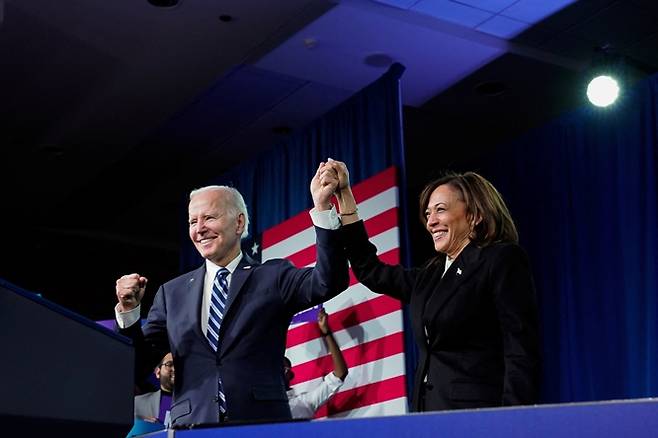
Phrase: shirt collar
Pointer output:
(212, 268)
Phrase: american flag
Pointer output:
(368, 327)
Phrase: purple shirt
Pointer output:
(165, 404)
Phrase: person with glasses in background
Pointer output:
(154, 406)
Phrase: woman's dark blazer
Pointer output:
(481, 348)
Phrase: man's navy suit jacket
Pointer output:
(262, 300)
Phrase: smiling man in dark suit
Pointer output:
(226, 322)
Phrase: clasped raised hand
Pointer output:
(323, 185)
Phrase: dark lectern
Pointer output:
(60, 373)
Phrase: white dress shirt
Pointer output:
(304, 405)
(211, 271)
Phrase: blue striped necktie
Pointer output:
(215, 316)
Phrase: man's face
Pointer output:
(214, 230)
(165, 373)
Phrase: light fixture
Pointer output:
(607, 76)
(603, 91)
(310, 43)
(380, 60)
(163, 3)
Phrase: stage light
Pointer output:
(603, 91)
(607, 76)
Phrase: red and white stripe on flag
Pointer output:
(368, 327)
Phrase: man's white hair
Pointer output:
(235, 204)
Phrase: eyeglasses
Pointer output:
(169, 364)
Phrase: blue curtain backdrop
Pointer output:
(583, 192)
(365, 132)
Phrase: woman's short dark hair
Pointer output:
(482, 201)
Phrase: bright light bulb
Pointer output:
(602, 91)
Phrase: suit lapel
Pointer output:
(195, 290)
(238, 279)
(460, 271)
(418, 306)
(155, 403)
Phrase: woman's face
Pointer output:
(446, 221)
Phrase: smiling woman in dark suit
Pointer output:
(473, 307)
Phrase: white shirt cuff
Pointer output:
(333, 381)
(327, 219)
(126, 319)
